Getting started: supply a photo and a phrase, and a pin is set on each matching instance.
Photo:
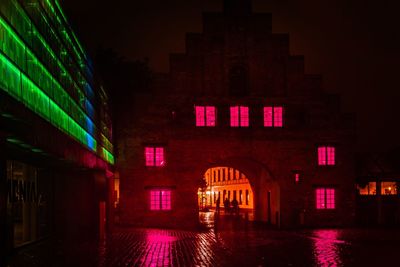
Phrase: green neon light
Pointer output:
(107, 155)
(32, 83)
(37, 150)
(106, 143)
(13, 140)
(63, 30)
(24, 90)
(26, 28)
(66, 21)
(44, 78)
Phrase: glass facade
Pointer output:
(28, 202)
(43, 66)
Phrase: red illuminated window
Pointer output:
(154, 156)
(239, 116)
(160, 200)
(205, 116)
(273, 116)
(326, 155)
(325, 198)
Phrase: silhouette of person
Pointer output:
(235, 206)
(227, 205)
(217, 205)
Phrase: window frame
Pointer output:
(274, 120)
(326, 155)
(160, 201)
(154, 162)
(238, 121)
(326, 200)
(206, 120)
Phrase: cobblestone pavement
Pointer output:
(232, 242)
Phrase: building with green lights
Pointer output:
(56, 153)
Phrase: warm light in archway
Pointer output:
(225, 183)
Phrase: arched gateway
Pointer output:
(262, 191)
(287, 136)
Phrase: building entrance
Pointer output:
(226, 191)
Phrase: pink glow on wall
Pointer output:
(154, 156)
(325, 198)
(160, 200)
(297, 177)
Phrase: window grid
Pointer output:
(239, 116)
(200, 116)
(325, 198)
(320, 197)
(330, 198)
(154, 156)
(210, 116)
(326, 155)
(331, 155)
(278, 118)
(273, 116)
(321, 155)
(205, 116)
(160, 200)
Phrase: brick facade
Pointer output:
(237, 60)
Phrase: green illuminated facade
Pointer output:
(43, 66)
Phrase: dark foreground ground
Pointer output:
(232, 242)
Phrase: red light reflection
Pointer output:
(158, 248)
(326, 248)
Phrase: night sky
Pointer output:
(354, 44)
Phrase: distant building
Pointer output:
(55, 131)
(226, 183)
(237, 99)
(378, 188)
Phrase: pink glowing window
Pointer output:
(273, 116)
(297, 177)
(325, 198)
(326, 155)
(160, 200)
(239, 116)
(205, 116)
(154, 156)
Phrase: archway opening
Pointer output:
(226, 191)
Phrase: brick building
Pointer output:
(236, 98)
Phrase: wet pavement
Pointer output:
(229, 241)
